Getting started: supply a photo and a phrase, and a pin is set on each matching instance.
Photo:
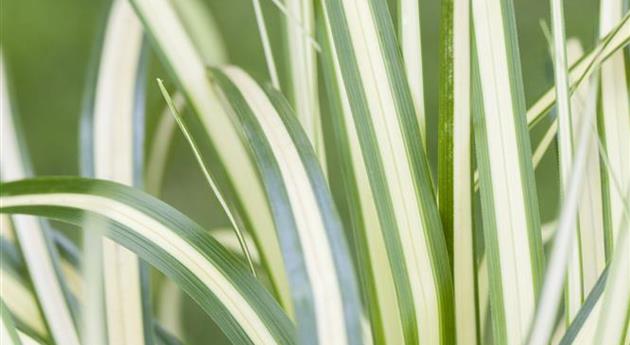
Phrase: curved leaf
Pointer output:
(319, 265)
(33, 235)
(217, 134)
(167, 239)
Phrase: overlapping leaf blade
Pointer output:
(168, 240)
(323, 285)
(509, 203)
(389, 163)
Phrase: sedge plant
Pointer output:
(341, 228)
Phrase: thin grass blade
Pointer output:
(323, 285)
(508, 195)
(455, 168)
(302, 61)
(410, 37)
(168, 240)
(32, 235)
(380, 113)
(614, 124)
(233, 166)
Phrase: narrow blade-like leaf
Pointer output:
(323, 285)
(455, 169)
(379, 112)
(614, 124)
(509, 205)
(41, 257)
(115, 131)
(233, 166)
(168, 240)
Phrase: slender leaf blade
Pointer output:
(167, 239)
(322, 278)
(235, 168)
(386, 124)
(32, 235)
(509, 205)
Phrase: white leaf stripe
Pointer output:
(511, 223)
(40, 256)
(168, 240)
(411, 46)
(303, 71)
(373, 265)
(115, 149)
(590, 259)
(371, 66)
(334, 230)
(617, 39)
(614, 120)
(326, 301)
(180, 57)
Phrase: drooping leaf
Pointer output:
(165, 238)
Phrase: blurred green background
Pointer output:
(48, 46)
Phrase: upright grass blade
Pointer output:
(564, 243)
(8, 332)
(614, 123)
(323, 286)
(374, 270)
(588, 260)
(33, 236)
(509, 206)
(455, 162)
(233, 166)
(203, 31)
(613, 325)
(586, 65)
(227, 207)
(266, 43)
(170, 241)
(574, 294)
(379, 112)
(115, 133)
(302, 60)
(409, 35)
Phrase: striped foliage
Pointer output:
(169, 241)
(31, 233)
(381, 126)
(118, 122)
(236, 173)
(508, 195)
(352, 208)
(323, 285)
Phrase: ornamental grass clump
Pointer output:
(340, 226)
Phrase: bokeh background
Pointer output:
(48, 46)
